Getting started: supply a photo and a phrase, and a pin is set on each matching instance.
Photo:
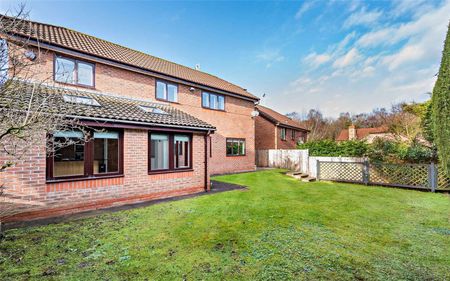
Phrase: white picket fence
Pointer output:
(296, 160)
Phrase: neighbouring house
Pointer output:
(274, 130)
(366, 134)
(163, 128)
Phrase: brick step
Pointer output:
(301, 176)
(308, 179)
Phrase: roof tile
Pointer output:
(111, 107)
(91, 45)
(278, 117)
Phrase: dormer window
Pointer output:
(152, 109)
(75, 72)
(80, 100)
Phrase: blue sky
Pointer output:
(336, 56)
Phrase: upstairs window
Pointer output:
(213, 101)
(235, 147)
(166, 91)
(283, 133)
(71, 71)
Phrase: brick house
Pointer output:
(366, 134)
(163, 128)
(274, 130)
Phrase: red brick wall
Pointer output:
(235, 122)
(265, 133)
(26, 181)
(268, 136)
(289, 143)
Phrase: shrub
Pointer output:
(331, 148)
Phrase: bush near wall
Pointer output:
(353, 148)
(379, 151)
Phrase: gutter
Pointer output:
(146, 124)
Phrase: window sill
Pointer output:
(163, 100)
(84, 178)
(170, 171)
(76, 85)
(237, 155)
(220, 110)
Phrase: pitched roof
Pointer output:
(109, 108)
(276, 117)
(361, 133)
(74, 40)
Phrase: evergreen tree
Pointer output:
(441, 108)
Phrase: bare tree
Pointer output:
(28, 112)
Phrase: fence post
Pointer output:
(432, 176)
(366, 172)
(318, 170)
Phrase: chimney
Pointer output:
(352, 132)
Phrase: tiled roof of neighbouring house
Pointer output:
(74, 40)
(276, 117)
(361, 133)
(105, 108)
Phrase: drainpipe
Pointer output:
(276, 134)
(206, 159)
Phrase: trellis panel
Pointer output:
(406, 175)
(341, 171)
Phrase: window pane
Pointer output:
(106, 152)
(69, 160)
(64, 70)
(213, 101)
(161, 90)
(181, 151)
(229, 147)
(235, 148)
(221, 102)
(85, 74)
(242, 148)
(172, 92)
(159, 153)
(205, 99)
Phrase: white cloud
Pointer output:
(305, 7)
(408, 54)
(428, 23)
(362, 17)
(315, 60)
(392, 64)
(351, 57)
(270, 57)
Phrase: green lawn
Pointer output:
(278, 229)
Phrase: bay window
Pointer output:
(235, 147)
(75, 156)
(169, 152)
(72, 71)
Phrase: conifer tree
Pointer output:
(441, 108)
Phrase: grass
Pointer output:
(278, 229)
